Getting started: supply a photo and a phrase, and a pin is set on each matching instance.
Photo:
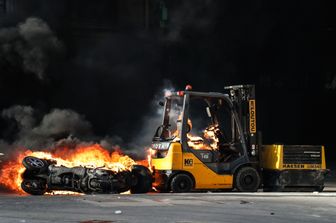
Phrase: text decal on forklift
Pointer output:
(188, 162)
(253, 123)
(301, 166)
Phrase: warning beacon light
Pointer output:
(188, 87)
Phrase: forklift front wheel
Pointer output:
(247, 179)
(181, 183)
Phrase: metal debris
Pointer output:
(118, 212)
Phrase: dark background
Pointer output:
(119, 53)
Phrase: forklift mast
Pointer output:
(243, 99)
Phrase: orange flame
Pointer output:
(197, 142)
(87, 156)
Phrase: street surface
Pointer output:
(191, 207)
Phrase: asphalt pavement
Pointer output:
(191, 207)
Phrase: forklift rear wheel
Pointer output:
(247, 179)
(181, 183)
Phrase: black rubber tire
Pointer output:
(125, 182)
(247, 179)
(181, 183)
(34, 164)
(34, 187)
(143, 178)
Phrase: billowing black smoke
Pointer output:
(28, 128)
(30, 45)
(110, 73)
(189, 15)
(33, 133)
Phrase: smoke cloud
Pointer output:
(63, 121)
(65, 127)
(23, 115)
(331, 84)
(30, 45)
(58, 126)
(194, 14)
(152, 120)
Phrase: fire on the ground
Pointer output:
(89, 156)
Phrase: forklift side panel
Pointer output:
(205, 177)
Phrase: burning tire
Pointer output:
(247, 179)
(34, 164)
(181, 183)
(125, 181)
(143, 180)
(34, 187)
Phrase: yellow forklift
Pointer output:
(209, 141)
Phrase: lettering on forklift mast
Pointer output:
(253, 124)
(188, 162)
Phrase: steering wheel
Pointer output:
(160, 130)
